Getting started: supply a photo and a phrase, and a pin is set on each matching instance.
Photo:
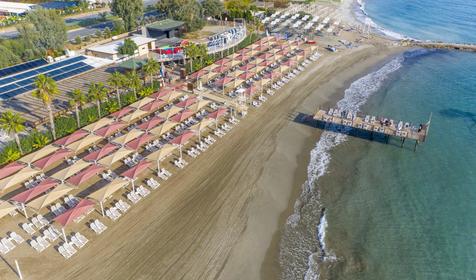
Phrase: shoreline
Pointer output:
(267, 215)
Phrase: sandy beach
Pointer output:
(220, 217)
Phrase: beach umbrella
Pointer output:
(83, 207)
(139, 141)
(108, 190)
(141, 103)
(246, 75)
(201, 126)
(85, 175)
(272, 75)
(283, 68)
(170, 112)
(84, 143)
(171, 96)
(49, 160)
(198, 74)
(162, 153)
(133, 172)
(30, 194)
(6, 208)
(159, 94)
(251, 91)
(73, 137)
(17, 178)
(153, 106)
(131, 135)
(10, 169)
(222, 61)
(180, 117)
(220, 69)
(97, 125)
(137, 114)
(223, 81)
(198, 105)
(150, 124)
(121, 113)
(50, 197)
(187, 102)
(32, 157)
(235, 62)
(247, 67)
(182, 139)
(110, 129)
(118, 155)
(216, 114)
(163, 128)
(69, 171)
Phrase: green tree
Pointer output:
(97, 92)
(117, 80)
(239, 5)
(7, 57)
(188, 11)
(45, 29)
(128, 48)
(133, 82)
(213, 8)
(107, 33)
(150, 69)
(131, 11)
(39, 140)
(46, 89)
(77, 40)
(118, 27)
(9, 154)
(13, 124)
(146, 91)
(78, 99)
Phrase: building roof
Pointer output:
(132, 64)
(112, 48)
(15, 8)
(165, 25)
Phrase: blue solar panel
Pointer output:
(22, 67)
(25, 81)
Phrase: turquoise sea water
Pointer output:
(392, 213)
(442, 20)
(396, 214)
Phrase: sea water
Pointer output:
(390, 212)
(441, 20)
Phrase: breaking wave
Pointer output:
(304, 235)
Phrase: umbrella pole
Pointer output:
(64, 235)
(24, 210)
(199, 136)
(180, 147)
(133, 185)
(102, 208)
(158, 167)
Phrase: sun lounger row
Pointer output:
(67, 249)
(152, 183)
(39, 244)
(164, 174)
(97, 226)
(180, 163)
(7, 245)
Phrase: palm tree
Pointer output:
(133, 81)
(97, 92)
(150, 69)
(13, 124)
(117, 81)
(46, 88)
(78, 99)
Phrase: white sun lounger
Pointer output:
(15, 236)
(28, 228)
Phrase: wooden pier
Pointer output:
(376, 125)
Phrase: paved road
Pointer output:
(90, 30)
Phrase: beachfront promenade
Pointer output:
(59, 198)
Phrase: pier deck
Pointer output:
(372, 124)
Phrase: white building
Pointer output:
(111, 50)
(15, 9)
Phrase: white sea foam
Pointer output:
(362, 16)
(355, 96)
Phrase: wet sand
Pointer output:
(220, 217)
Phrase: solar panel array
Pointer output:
(22, 67)
(17, 84)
